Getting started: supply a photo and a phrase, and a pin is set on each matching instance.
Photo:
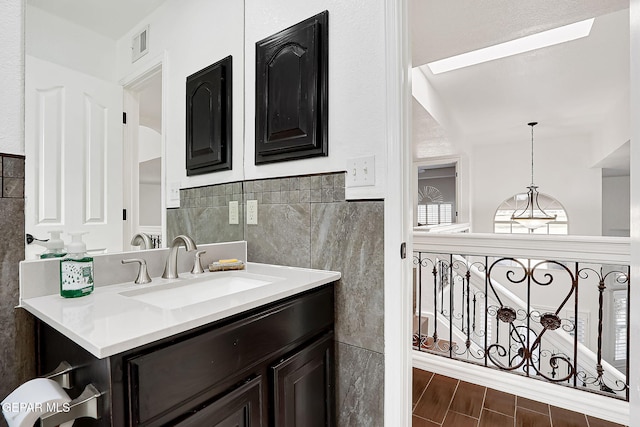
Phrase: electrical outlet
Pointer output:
(361, 171)
(233, 212)
(252, 212)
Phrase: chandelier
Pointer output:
(532, 215)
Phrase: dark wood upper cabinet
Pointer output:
(209, 99)
(292, 92)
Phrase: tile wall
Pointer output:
(204, 214)
(17, 348)
(304, 221)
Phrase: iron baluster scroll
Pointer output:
(526, 316)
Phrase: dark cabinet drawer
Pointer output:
(239, 408)
(185, 374)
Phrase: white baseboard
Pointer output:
(592, 404)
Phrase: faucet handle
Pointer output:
(143, 273)
(197, 264)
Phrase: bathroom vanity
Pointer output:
(260, 354)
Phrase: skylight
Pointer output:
(514, 47)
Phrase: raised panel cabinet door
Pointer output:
(209, 119)
(304, 387)
(291, 92)
(239, 408)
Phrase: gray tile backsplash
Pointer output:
(349, 237)
(304, 221)
(17, 345)
(281, 235)
(204, 214)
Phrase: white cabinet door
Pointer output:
(73, 147)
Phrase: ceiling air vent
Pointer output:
(140, 44)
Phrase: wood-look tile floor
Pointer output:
(440, 401)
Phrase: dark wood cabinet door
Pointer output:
(291, 92)
(209, 119)
(303, 387)
(239, 408)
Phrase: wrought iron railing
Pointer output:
(561, 321)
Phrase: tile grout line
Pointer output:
(424, 390)
(484, 399)
(451, 401)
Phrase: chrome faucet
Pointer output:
(143, 240)
(171, 266)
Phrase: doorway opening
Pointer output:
(143, 190)
(435, 195)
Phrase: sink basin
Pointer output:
(186, 292)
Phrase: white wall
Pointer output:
(615, 206)
(12, 77)
(614, 130)
(150, 193)
(149, 144)
(357, 116)
(197, 33)
(64, 43)
(194, 35)
(562, 170)
(150, 205)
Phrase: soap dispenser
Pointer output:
(76, 269)
(55, 246)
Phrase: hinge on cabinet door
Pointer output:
(403, 250)
(124, 214)
(124, 118)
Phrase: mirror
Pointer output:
(80, 75)
(578, 91)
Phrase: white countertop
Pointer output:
(106, 322)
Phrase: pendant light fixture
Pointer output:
(532, 215)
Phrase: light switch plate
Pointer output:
(174, 191)
(252, 212)
(361, 171)
(233, 212)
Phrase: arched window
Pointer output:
(502, 222)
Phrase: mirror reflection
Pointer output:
(86, 64)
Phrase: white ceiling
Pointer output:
(111, 18)
(567, 88)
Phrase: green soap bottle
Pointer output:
(76, 269)
(55, 246)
